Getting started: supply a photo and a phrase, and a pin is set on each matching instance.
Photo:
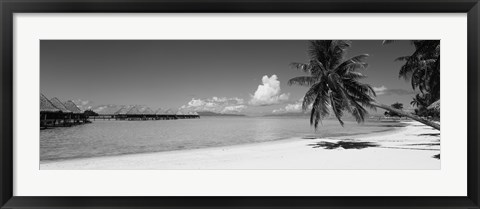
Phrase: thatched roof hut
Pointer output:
(59, 105)
(134, 111)
(122, 111)
(46, 105)
(146, 110)
(70, 105)
(180, 112)
(435, 105)
(192, 113)
(107, 109)
(170, 111)
(160, 111)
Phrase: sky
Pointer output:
(226, 76)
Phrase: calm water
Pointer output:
(102, 138)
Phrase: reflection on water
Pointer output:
(102, 138)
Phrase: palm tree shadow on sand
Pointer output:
(429, 134)
(343, 144)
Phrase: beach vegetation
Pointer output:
(333, 83)
(422, 69)
(90, 113)
(395, 105)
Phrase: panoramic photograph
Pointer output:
(239, 104)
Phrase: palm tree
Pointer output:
(398, 106)
(422, 100)
(416, 101)
(422, 68)
(333, 83)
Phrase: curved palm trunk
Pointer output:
(408, 115)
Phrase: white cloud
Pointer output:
(297, 107)
(268, 93)
(196, 102)
(225, 99)
(215, 104)
(280, 110)
(83, 104)
(291, 108)
(380, 90)
(234, 109)
(210, 104)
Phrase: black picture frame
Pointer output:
(9, 7)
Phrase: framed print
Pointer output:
(265, 104)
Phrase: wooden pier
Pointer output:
(142, 117)
(142, 113)
(54, 113)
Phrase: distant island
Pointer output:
(287, 114)
(208, 113)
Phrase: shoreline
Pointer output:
(393, 149)
(392, 129)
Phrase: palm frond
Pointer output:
(302, 81)
(336, 107)
(320, 108)
(387, 41)
(319, 67)
(362, 93)
(311, 95)
(402, 58)
(357, 62)
(318, 50)
(354, 75)
(358, 112)
(301, 66)
(337, 52)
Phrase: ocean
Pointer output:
(107, 138)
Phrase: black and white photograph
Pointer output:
(240, 104)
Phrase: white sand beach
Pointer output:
(410, 147)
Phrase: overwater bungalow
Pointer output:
(138, 113)
(141, 112)
(159, 114)
(78, 116)
(106, 112)
(48, 112)
(170, 114)
(159, 111)
(134, 113)
(193, 115)
(162, 114)
(121, 114)
(182, 114)
(147, 113)
(64, 119)
(187, 115)
(145, 109)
